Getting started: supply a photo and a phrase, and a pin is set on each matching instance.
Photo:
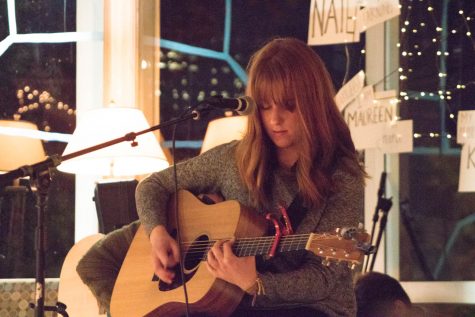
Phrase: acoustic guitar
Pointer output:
(138, 292)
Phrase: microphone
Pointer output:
(242, 105)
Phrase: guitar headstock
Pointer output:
(347, 245)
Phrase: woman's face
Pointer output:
(281, 124)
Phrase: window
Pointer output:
(38, 84)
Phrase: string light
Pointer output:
(32, 100)
(423, 35)
(431, 135)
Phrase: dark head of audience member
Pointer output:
(380, 295)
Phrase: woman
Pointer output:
(297, 148)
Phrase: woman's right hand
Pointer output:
(165, 253)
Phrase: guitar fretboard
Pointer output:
(263, 245)
(253, 246)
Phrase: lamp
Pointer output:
(224, 130)
(17, 150)
(104, 124)
(114, 199)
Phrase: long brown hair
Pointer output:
(287, 69)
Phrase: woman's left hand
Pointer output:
(223, 264)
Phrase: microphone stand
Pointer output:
(382, 205)
(381, 190)
(40, 180)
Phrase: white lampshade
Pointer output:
(104, 124)
(17, 149)
(224, 130)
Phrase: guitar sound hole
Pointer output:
(196, 252)
(193, 256)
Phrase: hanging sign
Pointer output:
(366, 114)
(466, 136)
(373, 122)
(350, 90)
(396, 137)
(467, 168)
(333, 21)
(342, 21)
(377, 11)
(465, 126)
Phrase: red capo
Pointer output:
(278, 232)
(288, 226)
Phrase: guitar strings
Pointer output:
(202, 254)
(250, 242)
(290, 238)
(199, 249)
(202, 249)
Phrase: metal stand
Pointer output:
(60, 308)
(383, 205)
(40, 184)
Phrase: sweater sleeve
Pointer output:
(327, 288)
(200, 174)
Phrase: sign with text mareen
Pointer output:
(373, 123)
(365, 119)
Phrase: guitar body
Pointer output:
(72, 291)
(136, 294)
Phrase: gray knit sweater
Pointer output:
(289, 278)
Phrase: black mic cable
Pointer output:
(177, 220)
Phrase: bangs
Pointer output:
(273, 85)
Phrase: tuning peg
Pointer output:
(326, 262)
(348, 233)
(352, 266)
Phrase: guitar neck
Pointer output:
(262, 245)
